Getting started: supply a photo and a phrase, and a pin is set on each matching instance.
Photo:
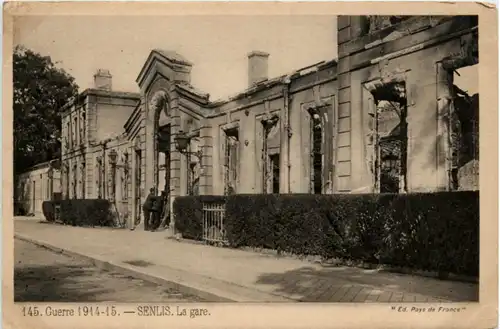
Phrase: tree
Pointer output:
(40, 91)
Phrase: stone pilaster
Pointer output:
(206, 177)
(149, 147)
(177, 163)
(348, 27)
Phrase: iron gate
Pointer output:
(213, 223)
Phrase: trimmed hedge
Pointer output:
(86, 212)
(188, 212)
(426, 231)
(328, 225)
(437, 231)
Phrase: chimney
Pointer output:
(102, 80)
(257, 67)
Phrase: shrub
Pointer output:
(86, 212)
(434, 231)
(188, 212)
(427, 231)
(342, 225)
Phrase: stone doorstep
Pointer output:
(205, 287)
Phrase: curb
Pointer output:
(125, 269)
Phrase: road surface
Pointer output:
(42, 275)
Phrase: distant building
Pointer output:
(386, 116)
(35, 186)
(92, 125)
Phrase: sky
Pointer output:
(216, 45)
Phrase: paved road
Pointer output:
(243, 275)
(41, 275)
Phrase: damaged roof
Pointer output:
(285, 78)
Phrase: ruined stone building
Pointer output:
(387, 115)
(412, 129)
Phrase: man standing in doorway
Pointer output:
(147, 208)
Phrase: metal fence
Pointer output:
(213, 223)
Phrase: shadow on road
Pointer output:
(55, 284)
(320, 285)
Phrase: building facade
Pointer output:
(92, 127)
(387, 116)
(35, 186)
(397, 82)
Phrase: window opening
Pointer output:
(99, 178)
(83, 179)
(464, 128)
(270, 153)
(75, 181)
(231, 160)
(83, 128)
(317, 142)
(392, 140)
(274, 161)
(75, 130)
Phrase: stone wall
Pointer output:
(246, 114)
(364, 58)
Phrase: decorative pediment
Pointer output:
(169, 64)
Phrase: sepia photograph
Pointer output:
(220, 165)
(246, 164)
(333, 160)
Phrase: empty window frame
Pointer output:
(75, 130)
(274, 164)
(66, 178)
(83, 178)
(271, 155)
(126, 174)
(75, 181)
(231, 160)
(321, 139)
(69, 139)
(99, 182)
(464, 123)
(391, 138)
(316, 154)
(82, 126)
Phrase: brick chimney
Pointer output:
(103, 80)
(257, 67)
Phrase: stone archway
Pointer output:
(159, 142)
(158, 104)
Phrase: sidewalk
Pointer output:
(236, 275)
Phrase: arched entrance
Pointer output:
(159, 105)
